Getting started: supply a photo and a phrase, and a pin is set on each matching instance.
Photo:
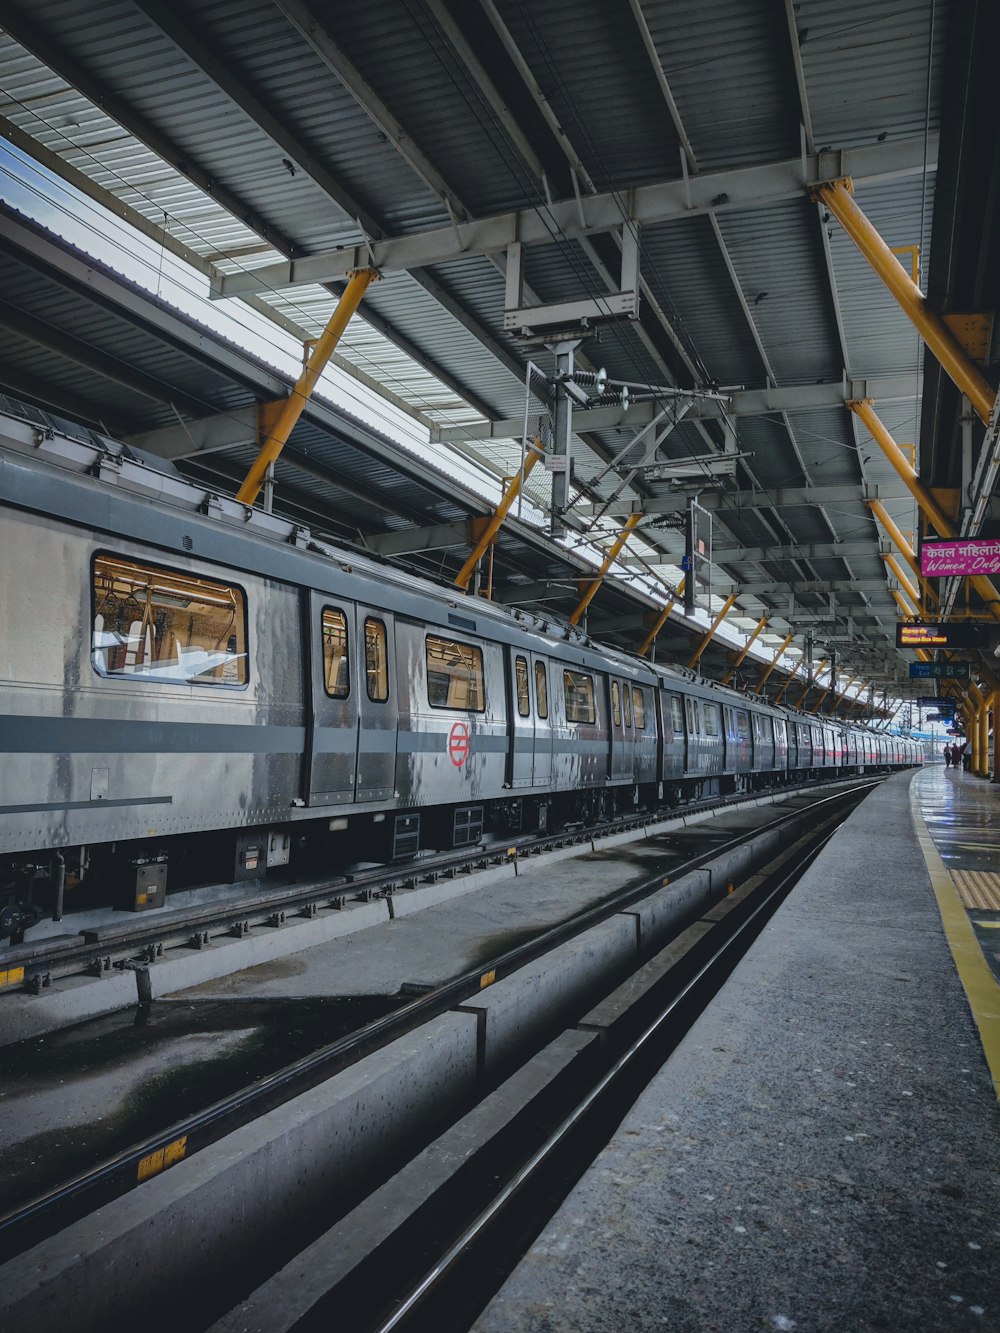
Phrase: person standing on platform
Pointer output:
(947, 756)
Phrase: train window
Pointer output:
(454, 675)
(541, 690)
(616, 704)
(627, 705)
(694, 718)
(742, 725)
(639, 708)
(165, 626)
(676, 715)
(578, 692)
(779, 731)
(336, 667)
(521, 680)
(376, 661)
(710, 712)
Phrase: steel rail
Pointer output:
(29, 1223)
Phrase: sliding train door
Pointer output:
(332, 707)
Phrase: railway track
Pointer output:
(57, 1209)
(34, 966)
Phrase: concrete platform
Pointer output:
(822, 1151)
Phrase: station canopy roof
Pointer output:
(187, 185)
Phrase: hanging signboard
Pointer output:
(939, 701)
(960, 557)
(939, 670)
(954, 634)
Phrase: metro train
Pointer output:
(197, 689)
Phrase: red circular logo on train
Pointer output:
(458, 744)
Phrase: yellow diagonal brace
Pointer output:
(810, 685)
(277, 437)
(774, 662)
(841, 694)
(606, 564)
(905, 583)
(743, 651)
(727, 607)
(930, 507)
(500, 513)
(899, 541)
(788, 680)
(836, 196)
(661, 620)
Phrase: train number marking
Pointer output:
(459, 744)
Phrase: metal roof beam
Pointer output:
(755, 555)
(779, 496)
(740, 403)
(204, 435)
(436, 537)
(798, 587)
(644, 205)
(319, 39)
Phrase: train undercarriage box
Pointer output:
(145, 884)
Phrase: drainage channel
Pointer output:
(470, 1054)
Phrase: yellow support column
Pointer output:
(661, 620)
(606, 564)
(500, 513)
(711, 633)
(836, 196)
(774, 662)
(290, 412)
(743, 651)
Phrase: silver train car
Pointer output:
(194, 689)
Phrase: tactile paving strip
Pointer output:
(978, 889)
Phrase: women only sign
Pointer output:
(971, 555)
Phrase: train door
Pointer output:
(620, 750)
(378, 703)
(542, 771)
(332, 721)
(521, 721)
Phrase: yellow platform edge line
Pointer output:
(981, 987)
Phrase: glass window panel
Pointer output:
(541, 690)
(616, 704)
(639, 707)
(454, 675)
(376, 661)
(578, 691)
(336, 670)
(167, 627)
(521, 683)
(627, 705)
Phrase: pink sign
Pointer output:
(971, 555)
